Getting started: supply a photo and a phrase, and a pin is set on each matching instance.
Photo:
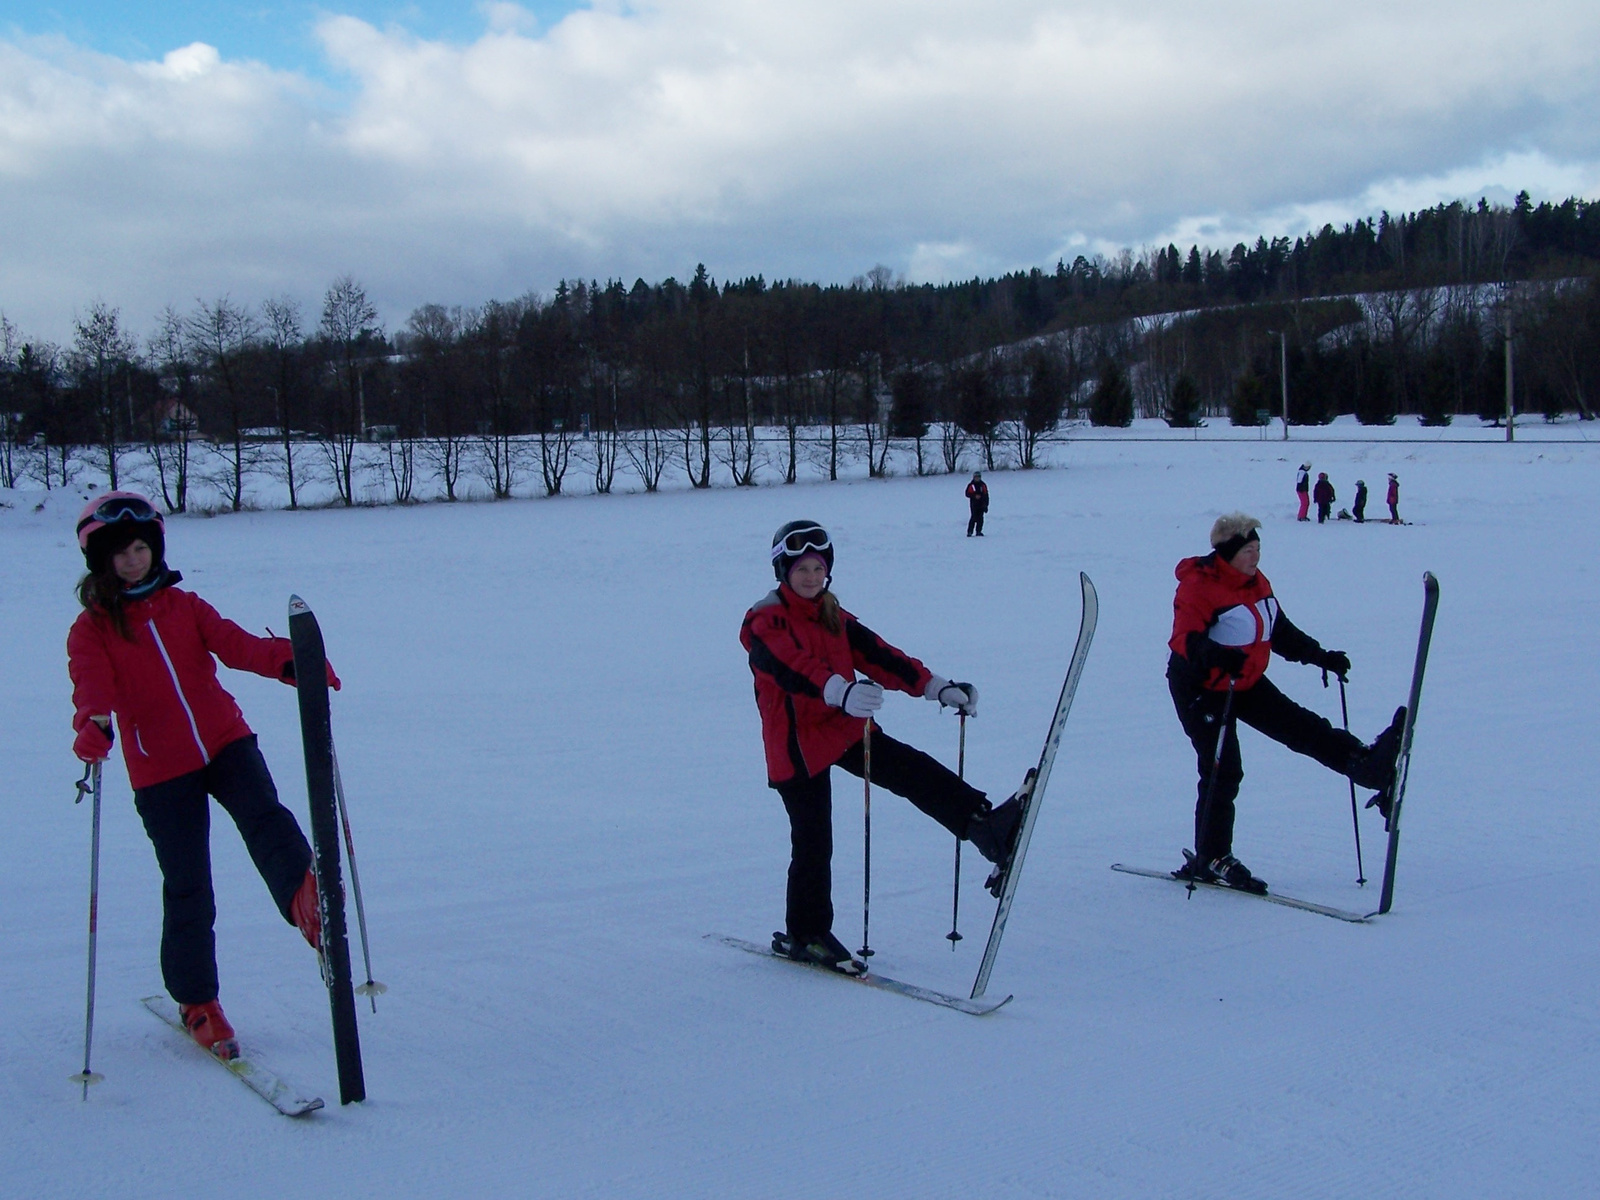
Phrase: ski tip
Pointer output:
(297, 605)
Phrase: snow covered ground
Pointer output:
(552, 756)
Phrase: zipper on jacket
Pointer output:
(182, 699)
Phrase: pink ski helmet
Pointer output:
(110, 522)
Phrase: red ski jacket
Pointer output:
(792, 656)
(1216, 603)
(172, 714)
(978, 494)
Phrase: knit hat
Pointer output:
(1231, 532)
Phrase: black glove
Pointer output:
(1336, 661)
(1229, 660)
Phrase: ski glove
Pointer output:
(1336, 661)
(1229, 660)
(858, 697)
(286, 673)
(93, 743)
(963, 697)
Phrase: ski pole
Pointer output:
(866, 874)
(90, 783)
(1344, 709)
(371, 988)
(955, 892)
(1211, 784)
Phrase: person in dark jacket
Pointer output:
(1360, 508)
(1393, 499)
(144, 651)
(977, 503)
(805, 653)
(1323, 495)
(1226, 626)
(1302, 491)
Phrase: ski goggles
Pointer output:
(813, 538)
(121, 508)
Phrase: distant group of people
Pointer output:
(1323, 494)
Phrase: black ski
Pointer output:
(1326, 910)
(973, 1008)
(1402, 762)
(1039, 777)
(316, 733)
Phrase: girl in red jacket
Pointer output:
(1226, 626)
(142, 651)
(805, 652)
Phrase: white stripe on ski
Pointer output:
(973, 1008)
(1338, 914)
(258, 1079)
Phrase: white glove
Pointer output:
(963, 697)
(858, 697)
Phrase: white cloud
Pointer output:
(809, 140)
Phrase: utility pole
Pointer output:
(1283, 376)
(1511, 411)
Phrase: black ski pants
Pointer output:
(1265, 709)
(901, 769)
(177, 816)
(975, 520)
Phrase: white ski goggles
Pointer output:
(801, 541)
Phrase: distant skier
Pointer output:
(142, 650)
(977, 503)
(1226, 626)
(1323, 495)
(1361, 501)
(805, 651)
(1393, 499)
(1302, 488)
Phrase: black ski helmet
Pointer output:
(797, 538)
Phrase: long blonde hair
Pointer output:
(828, 611)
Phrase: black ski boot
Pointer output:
(821, 950)
(1373, 767)
(1226, 871)
(994, 833)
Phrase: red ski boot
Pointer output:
(210, 1028)
(306, 909)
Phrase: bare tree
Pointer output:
(604, 443)
(647, 452)
(171, 425)
(284, 336)
(348, 329)
(435, 370)
(220, 334)
(100, 349)
(10, 346)
(491, 339)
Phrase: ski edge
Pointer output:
(1088, 622)
(269, 1086)
(1430, 613)
(1326, 910)
(973, 1008)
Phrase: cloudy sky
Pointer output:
(152, 155)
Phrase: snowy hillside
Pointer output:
(554, 765)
